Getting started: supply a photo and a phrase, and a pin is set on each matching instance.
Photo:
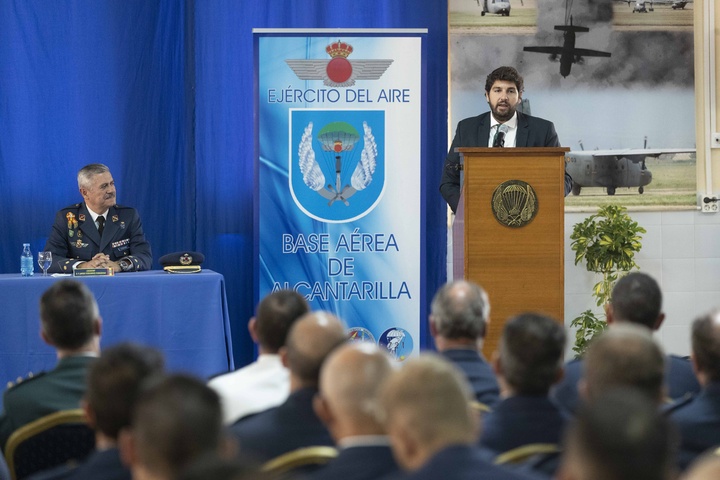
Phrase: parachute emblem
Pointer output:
(514, 203)
(338, 141)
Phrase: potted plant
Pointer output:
(607, 243)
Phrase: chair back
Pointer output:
(48, 442)
(303, 459)
(527, 452)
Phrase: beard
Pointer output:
(502, 111)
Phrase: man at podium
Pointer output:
(503, 126)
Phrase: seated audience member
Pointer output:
(294, 424)
(349, 382)
(620, 435)
(71, 324)
(176, 420)
(637, 299)
(698, 418)
(264, 383)
(460, 312)
(425, 407)
(113, 383)
(705, 467)
(529, 362)
(624, 356)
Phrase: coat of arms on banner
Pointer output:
(337, 162)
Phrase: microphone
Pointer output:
(499, 140)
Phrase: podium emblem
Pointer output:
(514, 203)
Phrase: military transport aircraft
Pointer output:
(641, 6)
(498, 7)
(613, 168)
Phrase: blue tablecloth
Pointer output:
(184, 315)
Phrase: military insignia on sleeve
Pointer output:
(114, 218)
(72, 223)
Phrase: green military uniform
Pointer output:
(46, 393)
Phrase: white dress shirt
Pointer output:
(511, 134)
(263, 384)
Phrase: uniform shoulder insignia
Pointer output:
(74, 206)
(23, 380)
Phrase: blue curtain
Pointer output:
(162, 92)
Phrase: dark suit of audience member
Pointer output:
(458, 321)
(620, 434)
(70, 323)
(698, 418)
(425, 407)
(503, 92)
(636, 299)
(294, 424)
(347, 405)
(529, 363)
(113, 383)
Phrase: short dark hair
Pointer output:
(507, 74)
(625, 355)
(460, 310)
(114, 381)
(637, 298)
(623, 436)
(706, 344)
(68, 313)
(275, 315)
(531, 352)
(176, 420)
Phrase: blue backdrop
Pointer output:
(162, 92)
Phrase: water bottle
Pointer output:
(27, 265)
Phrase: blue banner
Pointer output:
(339, 174)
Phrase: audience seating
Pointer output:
(49, 442)
(303, 459)
(526, 452)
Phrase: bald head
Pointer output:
(460, 310)
(309, 342)
(625, 356)
(706, 467)
(425, 407)
(706, 346)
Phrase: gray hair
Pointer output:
(86, 173)
(460, 309)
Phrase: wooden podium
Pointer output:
(521, 266)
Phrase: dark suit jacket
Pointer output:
(100, 465)
(282, 429)
(679, 378)
(478, 372)
(358, 463)
(462, 462)
(475, 132)
(46, 393)
(698, 420)
(74, 237)
(521, 420)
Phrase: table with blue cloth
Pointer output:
(183, 315)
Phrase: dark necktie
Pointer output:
(101, 224)
(499, 140)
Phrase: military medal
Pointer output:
(72, 223)
(71, 233)
(78, 244)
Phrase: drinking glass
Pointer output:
(44, 260)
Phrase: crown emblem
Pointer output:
(339, 49)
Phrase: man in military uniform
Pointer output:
(70, 323)
(98, 233)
